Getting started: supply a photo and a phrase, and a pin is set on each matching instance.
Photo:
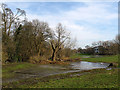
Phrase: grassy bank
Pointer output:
(91, 58)
(7, 70)
(106, 79)
(99, 78)
(74, 56)
(107, 59)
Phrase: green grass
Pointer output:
(107, 59)
(7, 70)
(78, 56)
(99, 78)
(107, 79)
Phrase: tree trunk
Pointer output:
(53, 55)
(39, 52)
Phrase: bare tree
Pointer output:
(117, 39)
(8, 18)
(41, 32)
(57, 42)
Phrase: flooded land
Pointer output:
(15, 74)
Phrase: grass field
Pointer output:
(107, 59)
(9, 68)
(98, 78)
(78, 56)
(107, 79)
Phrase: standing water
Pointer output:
(83, 65)
(47, 70)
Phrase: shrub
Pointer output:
(37, 59)
(4, 57)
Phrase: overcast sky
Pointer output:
(87, 21)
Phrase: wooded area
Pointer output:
(102, 47)
(33, 41)
(38, 54)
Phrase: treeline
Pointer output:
(33, 41)
(102, 47)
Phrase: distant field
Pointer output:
(78, 56)
(107, 59)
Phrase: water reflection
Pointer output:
(83, 65)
